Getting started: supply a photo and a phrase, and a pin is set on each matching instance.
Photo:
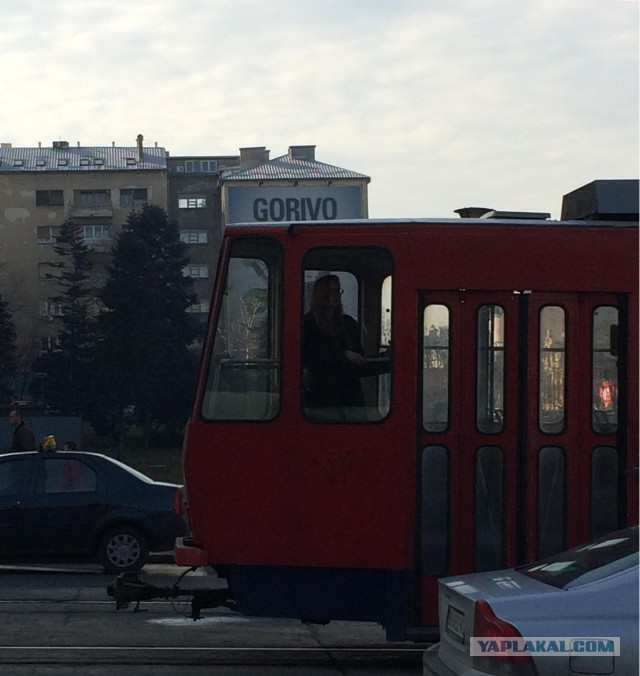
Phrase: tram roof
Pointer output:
(463, 222)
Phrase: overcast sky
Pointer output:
(507, 104)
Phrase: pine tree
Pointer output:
(144, 362)
(7, 352)
(69, 368)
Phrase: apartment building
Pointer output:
(194, 203)
(42, 187)
(97, 187)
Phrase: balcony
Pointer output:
(90, 210)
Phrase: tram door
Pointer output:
(519, 449)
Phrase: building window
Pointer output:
(97, 233)
(18, 163)
(47, 234)
(41, 163)
(196, 271)
(49, 198)
(195, 202)
(209, 166)
(198, 166)
(194, 236)
(199, 308)
(98, 162)
(84, 162)
(131, 197)
(51, 309)
(49, 343)
(93, 198)
(130, 161)
(63, 162)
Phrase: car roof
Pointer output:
(76, 454)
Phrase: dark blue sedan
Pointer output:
(76, 506)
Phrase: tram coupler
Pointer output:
(129, 588)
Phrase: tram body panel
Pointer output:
(356, 519)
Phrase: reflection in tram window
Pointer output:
(605, 370)
(435, 379)
(604, 495)
(551, 364)
(243, 382)
(490, 347)
(551, 500)
(488, 548)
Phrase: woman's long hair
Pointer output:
(324, 314)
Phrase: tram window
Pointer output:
(604, 370)
(488, 551)
(434, 511)
(551, 367)
(435, 368)
(243, 380)
(551, 500)
(346, 334)
(604, 496)
(490, 369)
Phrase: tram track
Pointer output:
(223, 655)
(76, 629)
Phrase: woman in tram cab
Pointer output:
(332, 351)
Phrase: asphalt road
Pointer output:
(59, 620)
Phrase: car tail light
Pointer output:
(487, 624)
(178, 502)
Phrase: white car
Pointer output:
(572, 613)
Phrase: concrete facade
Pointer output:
(194, 202)
(40, 188)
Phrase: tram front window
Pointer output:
(243, 381)
(345, 335)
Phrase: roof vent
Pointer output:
(483, 212)
(303, 153)
(139, 148)
(518, 215)
(472, 212)
(610, 200)
(252, 157)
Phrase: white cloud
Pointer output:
(443, 103)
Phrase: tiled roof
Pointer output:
(81, 159)
(286, 167)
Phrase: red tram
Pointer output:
(499, 421)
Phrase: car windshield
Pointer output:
(587, 563)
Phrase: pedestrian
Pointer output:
(23, 438)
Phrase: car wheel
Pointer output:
(123, 549)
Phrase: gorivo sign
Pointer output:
(294, 209)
